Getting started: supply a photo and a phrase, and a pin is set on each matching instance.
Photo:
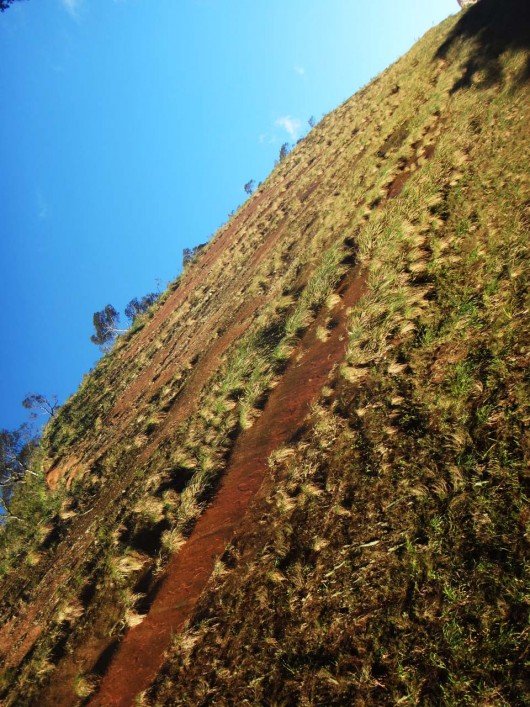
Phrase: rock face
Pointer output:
(466, 3)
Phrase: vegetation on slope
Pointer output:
(391, 564)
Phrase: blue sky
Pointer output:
(129, 130)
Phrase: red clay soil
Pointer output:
(141, 653)
(163, 365)
(203, 332)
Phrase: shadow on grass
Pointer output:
(496, 26)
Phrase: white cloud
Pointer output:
(290, 125)
(73, 7)
(299, 70)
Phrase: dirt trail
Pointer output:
(141, 653)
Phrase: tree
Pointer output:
(284, 150)
(4, 4)
(312, 121)
(140, 306)
(250, 186)
(16, 451)
(36, 401)
(188, 254)
(106, 324)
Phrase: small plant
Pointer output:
(250, 186)
(284, 151)
(84, 685)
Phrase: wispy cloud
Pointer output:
(299, 70)
(73, 7)
(42, 206)
(266, 139)
(291, 125)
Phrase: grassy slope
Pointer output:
(391, 565)
(392, 561)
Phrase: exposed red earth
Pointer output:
(141, 652)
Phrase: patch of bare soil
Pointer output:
(62, 689)
(424, 149)
(141, 653)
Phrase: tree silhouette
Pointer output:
(188, 254)
(284, 150)
(106, 325)
(250, 186)
(4, 4)
(36, 401)
(140, 306)
(16, 450)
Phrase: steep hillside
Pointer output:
(303, 476)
